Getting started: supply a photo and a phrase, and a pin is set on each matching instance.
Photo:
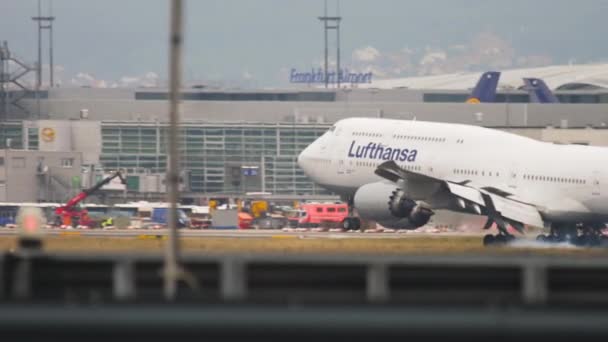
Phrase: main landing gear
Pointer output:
(499, 239)
(578, 235)
(351, 222)
(503, 235)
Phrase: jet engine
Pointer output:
(388, 205)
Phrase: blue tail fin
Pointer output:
(485, 90)
(539, 92)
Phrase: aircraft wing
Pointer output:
(496, 204)
(391, 171)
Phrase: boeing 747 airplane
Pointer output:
(398, 173)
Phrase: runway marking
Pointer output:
(151, 237)
(284, 236)
(70, 233)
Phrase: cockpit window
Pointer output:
(332, 128)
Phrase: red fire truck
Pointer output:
(322, 214)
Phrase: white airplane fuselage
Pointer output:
(565, 182)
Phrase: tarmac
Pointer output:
(251, 233)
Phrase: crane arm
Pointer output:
(87, 192)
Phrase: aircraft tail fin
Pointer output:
(485, 90)
(539, 91)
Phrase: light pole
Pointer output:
(44, 23)
(331, 23)
(172, 268)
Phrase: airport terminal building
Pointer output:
(242, 141)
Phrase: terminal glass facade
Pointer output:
(11, 135)
(217, 158)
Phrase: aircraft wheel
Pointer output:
(594, 241)
(489, 240)
(541, 238)
(551, 238)
(356, 223)
(573, 239)
(583, 241)
(502, 239)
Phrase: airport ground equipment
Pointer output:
(71, 214)
(271, 221)
(245, 220)
(161, 215)
(225, 219)
(322, 214)
(259, 208)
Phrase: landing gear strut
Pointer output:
(351, 222)
(503, 235)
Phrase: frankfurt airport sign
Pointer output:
(318, 76)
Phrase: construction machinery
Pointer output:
(71, 214)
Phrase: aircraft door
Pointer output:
(513, 177)
(595, 184)
(340, 151)
(341, 166)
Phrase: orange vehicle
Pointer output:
(245, 220)
(317, 214)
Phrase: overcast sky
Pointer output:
(256, 43)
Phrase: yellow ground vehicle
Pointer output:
(259, 209)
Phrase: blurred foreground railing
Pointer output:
(73, 297)
(311, 279)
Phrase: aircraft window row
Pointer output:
(555, 179)
(367, 134)
(419, 138)
(367, 163)
(412, 167)
(460, 141)
(321, 161)
(476, 173)
(373, 164)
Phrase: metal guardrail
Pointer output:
(310, 279)
(72, 297)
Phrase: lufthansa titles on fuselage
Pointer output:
(378, 151)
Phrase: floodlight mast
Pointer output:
(331, 23)
(44, 23)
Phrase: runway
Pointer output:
(245, 233)
(296, 241)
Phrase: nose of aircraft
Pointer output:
(305, 160)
